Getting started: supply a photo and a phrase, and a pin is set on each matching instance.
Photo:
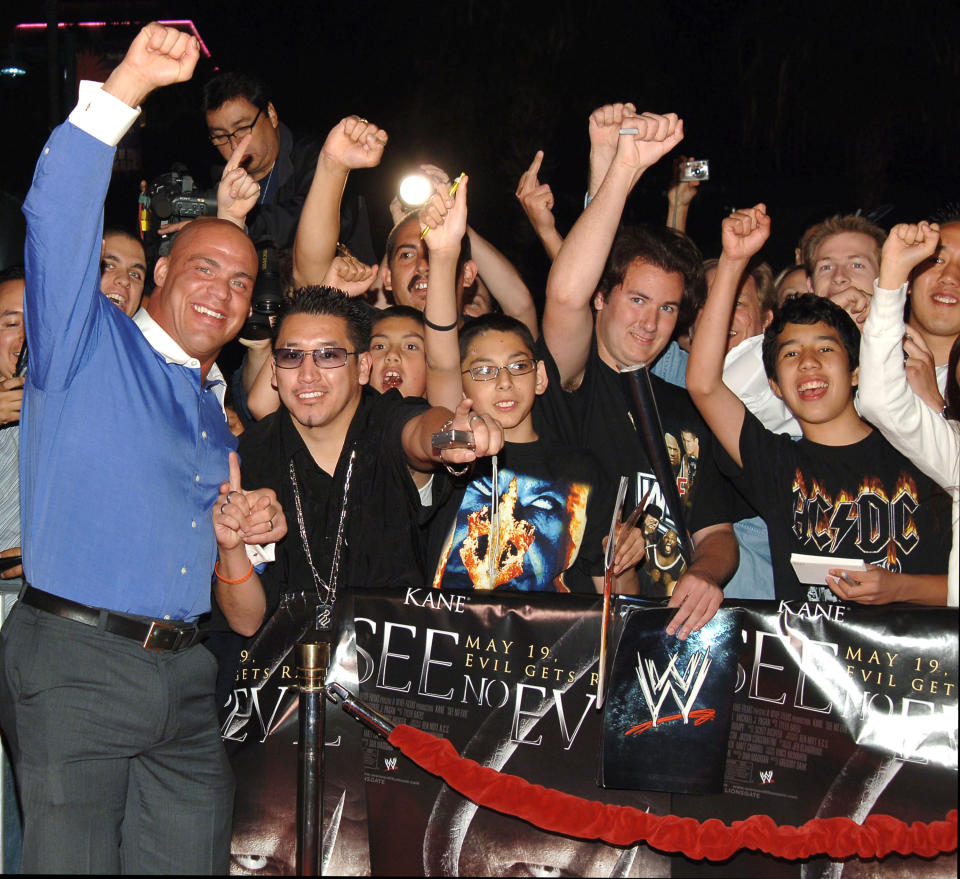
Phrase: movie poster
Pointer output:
(832, 710)
(512, 683)
(839, 711)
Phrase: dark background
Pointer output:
(813, 108)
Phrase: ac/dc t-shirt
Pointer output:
(597, 416)
(863, 501)
(547, 535)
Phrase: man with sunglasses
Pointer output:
(237, 104)
(335, 444)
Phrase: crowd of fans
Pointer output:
(420, 423)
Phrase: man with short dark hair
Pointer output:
(331, 423)
(604, 313)
(236, 104)
(106, 694)
(407, 267)
(123, 270)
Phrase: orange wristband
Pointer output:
(222, 579)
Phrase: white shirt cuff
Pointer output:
(101, 115)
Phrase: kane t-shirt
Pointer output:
(551, 519)
(597, 416)
(863, 501)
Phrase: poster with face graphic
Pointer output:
(664, 563)
(527, 545)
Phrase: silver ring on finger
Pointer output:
(232, 491)
(222, 506)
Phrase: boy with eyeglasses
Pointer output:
(536, 520)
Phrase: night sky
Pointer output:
(813, 108)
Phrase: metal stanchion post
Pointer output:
(313, 659)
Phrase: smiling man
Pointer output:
(613, 298)
(407, 271)
(236, 104)
(331, 423)
(123, 270)
(106, 693)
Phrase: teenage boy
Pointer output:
(549, 515)
(841, 490)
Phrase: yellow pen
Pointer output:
(453, 190)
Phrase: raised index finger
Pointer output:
(235, 484)
(237, 155)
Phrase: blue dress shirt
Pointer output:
(123, 447)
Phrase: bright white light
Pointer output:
(12, 71)
(415, 189)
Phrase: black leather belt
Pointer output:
(155, 635)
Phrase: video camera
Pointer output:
(174, 197)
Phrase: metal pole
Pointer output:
(313, 659)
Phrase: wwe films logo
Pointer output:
(683, 686)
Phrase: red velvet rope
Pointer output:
(624, 825)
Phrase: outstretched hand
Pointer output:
(158, 56)
(907, 245)
(238, 191)
(487, 435)
(744, 232)
(354, 143)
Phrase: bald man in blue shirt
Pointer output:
(105, 691)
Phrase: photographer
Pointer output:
(238, 104)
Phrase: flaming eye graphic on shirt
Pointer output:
(515, 539)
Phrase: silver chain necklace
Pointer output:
(329, 594)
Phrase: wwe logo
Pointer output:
(390, 764)
(683, 687)
(766, 776)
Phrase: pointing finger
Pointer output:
(235, 484)
(237, 156)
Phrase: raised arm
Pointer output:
(573, 279)
(743, 234)
(603, 129)
(679, 196)
(503, 281)
(885, 397)
(69, 186)
(446, 217)
(536, 199)
(352, 143)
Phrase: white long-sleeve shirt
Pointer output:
(910, 425)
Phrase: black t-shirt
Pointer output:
(863, 501)
(383, 545)
(600, 421)
(552, 515)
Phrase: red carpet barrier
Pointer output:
(879, 835)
